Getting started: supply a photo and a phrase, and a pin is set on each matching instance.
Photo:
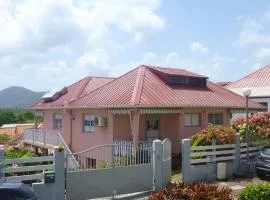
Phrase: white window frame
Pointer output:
(57, 121)
(90, 126)
(189, 120)
(222, 118)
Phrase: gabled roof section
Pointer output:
(75, 91)
(142, 87)
(258, 82)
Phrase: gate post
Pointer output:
(237, 152)
(2, 175)
(157, 164)
(186, 160)
(59, 169)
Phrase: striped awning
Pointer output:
(160, 110)
(119, 111)
(243, 111)
(145, 111)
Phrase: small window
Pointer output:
(264, 104)
(215, 118)
(192, 119)
(88, 123)
(152, 122)
(57, 121)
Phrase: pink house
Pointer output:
(144, 104)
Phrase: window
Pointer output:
(192, 119)
(88, 123)
(186, 81)
(57, 121)
(152, 122)
(215, 118)
(264, 104)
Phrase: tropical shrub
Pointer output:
(195, 191)
(4, 138)
(255, 192)
(258, 125)
(222, 135)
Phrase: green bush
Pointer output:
(4, 138)
(256, 192)
(195, 191)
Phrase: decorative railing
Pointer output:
(45, 138)
(119, 154)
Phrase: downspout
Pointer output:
(71, 128)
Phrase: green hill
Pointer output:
(18, 97)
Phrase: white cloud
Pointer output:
(198, 47)
(56, 42)
(253, 32)
(263, 53)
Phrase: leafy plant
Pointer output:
(222, 135)
(258, 125)
(4, 138)
(255, 192)
(195, 191)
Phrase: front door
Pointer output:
(152, 127)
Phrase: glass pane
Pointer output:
(152, 122)
(187, 119)
(195, 120)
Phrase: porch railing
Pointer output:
(49, 139)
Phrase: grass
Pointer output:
(176, 176)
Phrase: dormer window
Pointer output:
(186, 81)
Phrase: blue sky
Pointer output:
(49, 44)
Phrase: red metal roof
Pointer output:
(142, 87)
(75, 90)
(259, 78)
(258, 82)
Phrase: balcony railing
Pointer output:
(48, 139)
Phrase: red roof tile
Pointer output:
(143, 87)
(74, 91)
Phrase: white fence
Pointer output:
(200, 162)
(24, 169)
(48, 139)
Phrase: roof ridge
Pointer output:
(79, 92)
(248, 75)
(99, 88)
(137, 90)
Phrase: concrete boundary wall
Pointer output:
(98, 183)
(105, 182)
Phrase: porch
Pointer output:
(142, 126)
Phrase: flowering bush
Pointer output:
(195, 191)
(259, 126)
(222, 135)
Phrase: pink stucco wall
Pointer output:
(79, 140)
(171, 126)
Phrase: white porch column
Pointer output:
(135, 123)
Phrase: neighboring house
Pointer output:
(14, 131)
(258, 82)
(144, 104)
(223, 83)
